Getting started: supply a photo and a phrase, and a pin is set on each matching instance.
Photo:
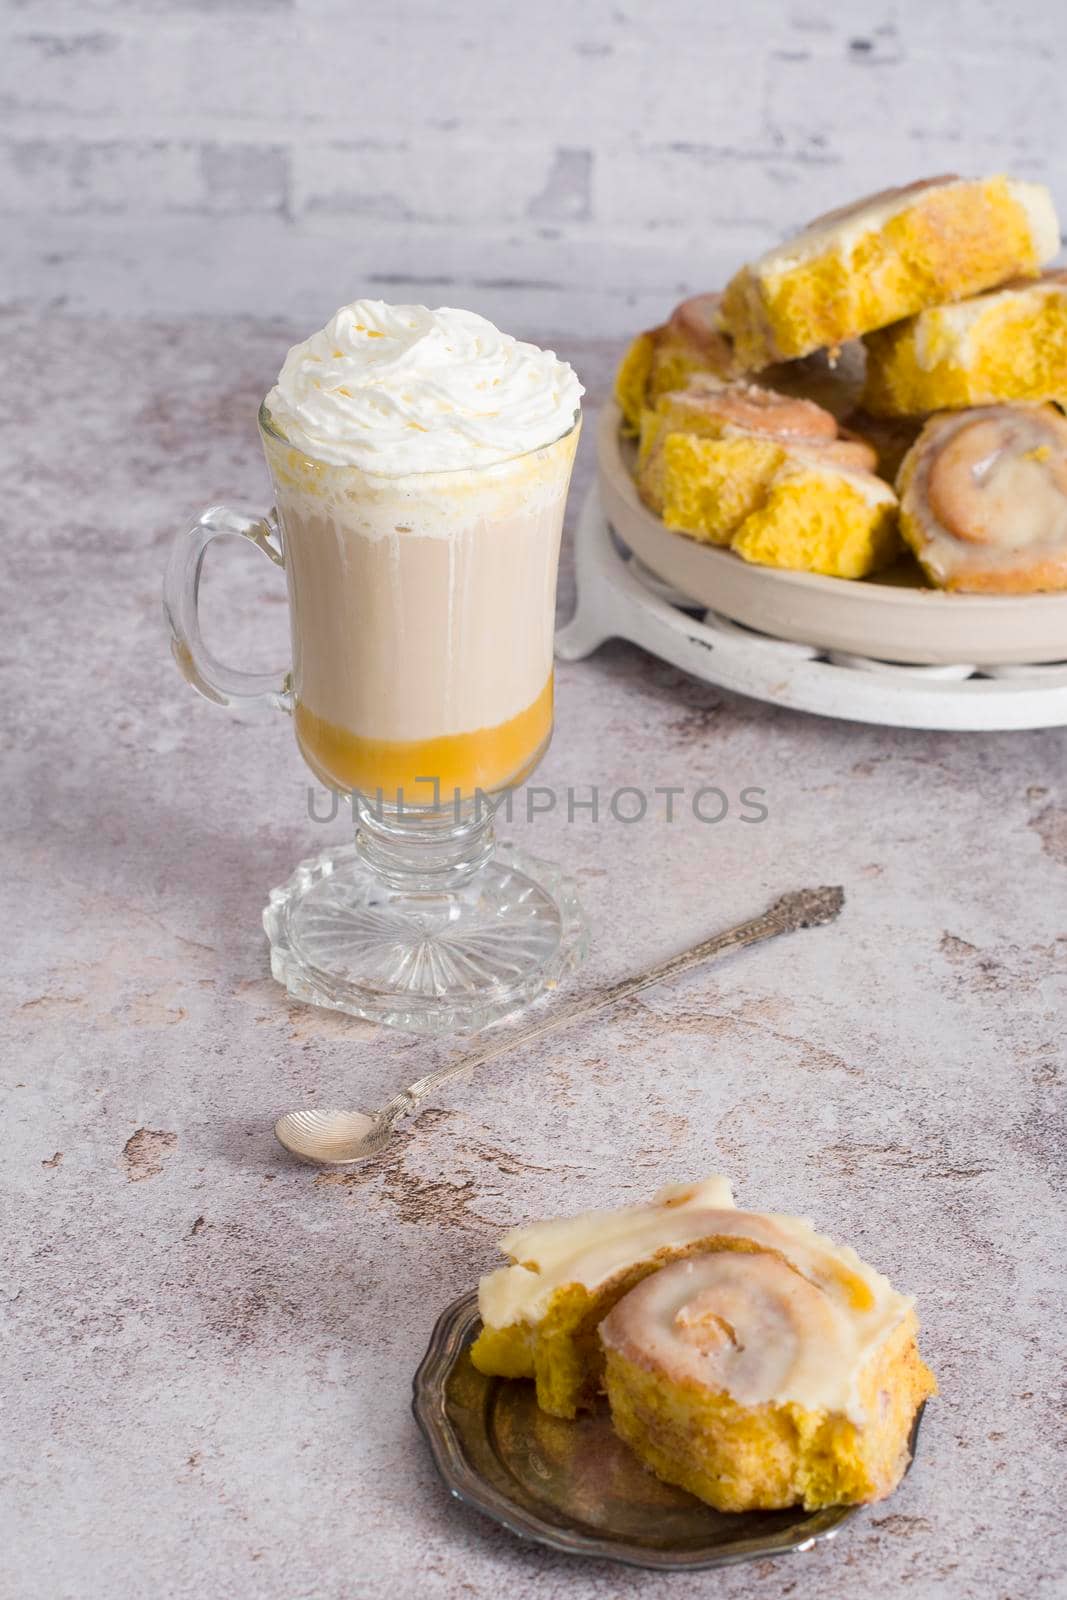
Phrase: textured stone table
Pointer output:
(208, 1351)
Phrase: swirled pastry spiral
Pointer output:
(983, 497)
(709, 409)
(884, 258)
(776, 1370)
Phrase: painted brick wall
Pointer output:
(570, 165)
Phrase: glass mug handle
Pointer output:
(227, 686)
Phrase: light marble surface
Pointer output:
(572, 167)
(208, 1351)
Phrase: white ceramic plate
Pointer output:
(891, 617)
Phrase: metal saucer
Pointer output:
(574, 1486)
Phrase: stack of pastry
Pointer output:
(744, 1356)
(937, 289)
(775, 478)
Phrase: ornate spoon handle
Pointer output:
(807, 908)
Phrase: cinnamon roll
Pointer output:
(692, 344)
(884, 258)
(1010, 344)
(633, 376)
(711, 410)
(818, 516)
(693, 341)
(772, 476)
(983, 497)
(775, 1369)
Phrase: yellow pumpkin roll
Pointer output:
(714, 410)
(1009, 344)
(771, 476)
(778, 1371)
(633, 375)
(692, 341)
(887, 257)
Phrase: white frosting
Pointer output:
(401, 389)
(1044, 223)
(589, 1249)
(798, 1319)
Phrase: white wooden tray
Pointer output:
(890, 618)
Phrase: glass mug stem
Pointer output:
(425, 852)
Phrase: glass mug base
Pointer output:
(448, 961)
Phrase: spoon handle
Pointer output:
(806, 908)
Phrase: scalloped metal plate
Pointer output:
(574, 1486)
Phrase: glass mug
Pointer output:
(421, 613)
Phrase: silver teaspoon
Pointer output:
(347, 1138)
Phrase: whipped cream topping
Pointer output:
(402, 389)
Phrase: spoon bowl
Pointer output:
(332, 1138)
